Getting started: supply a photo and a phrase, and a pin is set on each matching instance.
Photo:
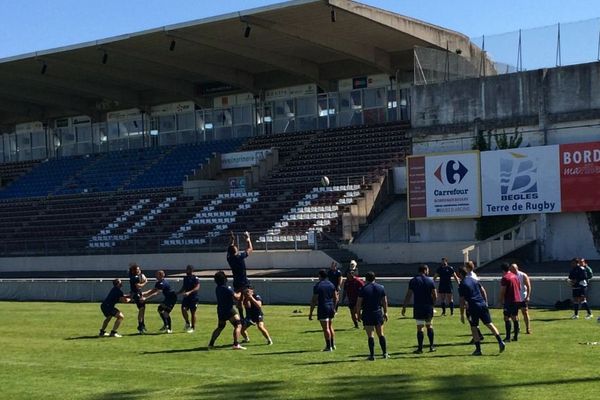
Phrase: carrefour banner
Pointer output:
(444, 186)
(521, 181)
(580, 176)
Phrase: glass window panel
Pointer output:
(185, 121)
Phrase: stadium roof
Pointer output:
(296, 42)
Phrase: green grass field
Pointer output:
(50, 351)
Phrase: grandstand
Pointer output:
(132, 156)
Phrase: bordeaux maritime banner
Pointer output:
(530, 180)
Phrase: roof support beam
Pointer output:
(221, 73)
(361, 52)
(294, 65)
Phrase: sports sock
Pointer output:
(498, 338)
(452, 308)
(576, 308)
(168, 320)
(371, 346)
(420, 339)
(517, 329)
(430, 336)
(383, 344)
(587, 307)
(508, 326)
(478, 346)
(443, 307)
(332, 342)
(480, 334)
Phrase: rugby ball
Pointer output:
(324, 181)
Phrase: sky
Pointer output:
(31, 25)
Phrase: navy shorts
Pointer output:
(109, 311)
(226, 315)
(324, 313)
(137, 299)
(579, 292)
(191, 303)
(423, 313)
(445, 287)
(524, 305)
(481, 313)
(372, 318)
(511, 309)
(254, 319)
(166, 306)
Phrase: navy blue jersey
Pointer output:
(470, 291)
(334, 276)
(579, 277)
(326, 292)
(372, 294)
(190, 282)
(169, 293)
(113, 297)
(421, 287)
(133, 281)
(237, 263)
(446, 273)
(224, 298)
(254, 312)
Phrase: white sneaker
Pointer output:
(574, 316)
(269, 342)
(589, 316)
(186, 327)
(246, 340)
(189, 329)
(238, 347)
(169, 331)
(115, 334)
(164, 328)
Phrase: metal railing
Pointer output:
(503, 243)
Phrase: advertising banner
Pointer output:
(444, 186)
(521, 181)
(242, 159)
(580, 176)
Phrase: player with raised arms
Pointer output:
(226, 311)
(137, 280)
(254, 315)
(190, 288)
(170, 299)
(237, 264)
(109, 310)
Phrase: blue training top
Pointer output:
(190, 282)
(237, 263)
(224, 298)
(372, 294)
(469, 289)
(113, 297)
(446, 274)
(326, 291)
(422, 286)
(169, 293)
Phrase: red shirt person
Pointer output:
(510, 297)
(352, 285)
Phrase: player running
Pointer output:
(137, 280)
(325, 297)
(371, 308)
(109, 310)
(190, 288)
(170, 299)
(226, 311)
(446, 273)
(472, 293)
(254, 315)
(423, 289)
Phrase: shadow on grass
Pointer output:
(334, 328)
(123, 395)
(87, 337)
(173, 351)
(285, 352)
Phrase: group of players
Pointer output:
(367, 301)
(231, 303)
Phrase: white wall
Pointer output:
(409, 253)
(568, 235)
